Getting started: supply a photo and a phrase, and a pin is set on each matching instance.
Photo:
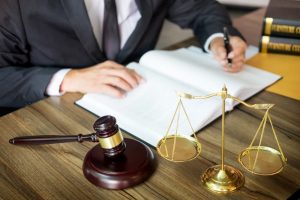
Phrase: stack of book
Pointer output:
(281, 28)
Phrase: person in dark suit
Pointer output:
(48, 47)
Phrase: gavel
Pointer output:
(107, 134)
(116, 163)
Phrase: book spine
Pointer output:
(269, 44)
(281, 27)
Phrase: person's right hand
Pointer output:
(108, 78)
(237, 54)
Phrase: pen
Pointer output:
(227, 46)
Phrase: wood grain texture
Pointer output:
(55, 171)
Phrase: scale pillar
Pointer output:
(223, 178)
(222, 181)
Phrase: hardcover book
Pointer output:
(270, 44)
(282, 18)
(146, 111)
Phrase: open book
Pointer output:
(146, 111)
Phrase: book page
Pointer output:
(201, 71)
(146, 112)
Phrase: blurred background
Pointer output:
(172, 34)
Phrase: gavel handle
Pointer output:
(52, 139)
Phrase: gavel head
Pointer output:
(110, 137)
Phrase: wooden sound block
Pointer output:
(134, 166)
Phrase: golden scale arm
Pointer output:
(223, 178)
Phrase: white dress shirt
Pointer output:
(128, 16)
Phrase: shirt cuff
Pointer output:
(53, 88)
(208, 41)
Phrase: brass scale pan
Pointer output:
(260, 160)
(179, 148)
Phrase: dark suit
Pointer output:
(38, 37)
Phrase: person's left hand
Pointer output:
(237, 54)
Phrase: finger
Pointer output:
(117, 82)
(110, 64)
(138, 76)
(111, 91)
(219, 53)
(126, 74)
(238, 45)
(113, 65)
(224, 63)
(235, 67)
(239, 58)
(113, 69)
(236, 62)
(237, 54)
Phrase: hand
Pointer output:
(108, 78)
(237, 54)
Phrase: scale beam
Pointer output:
(260, 160)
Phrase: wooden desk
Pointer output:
(54, 171)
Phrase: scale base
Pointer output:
(134, 166)
(222, 181)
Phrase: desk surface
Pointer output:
(54, 171)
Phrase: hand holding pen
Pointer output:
(229, 51)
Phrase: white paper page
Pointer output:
(147, 111)
(203, 72)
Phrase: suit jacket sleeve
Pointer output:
(205, 17)
(20, 83)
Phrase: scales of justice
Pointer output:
(259, 160)
(119, 163)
